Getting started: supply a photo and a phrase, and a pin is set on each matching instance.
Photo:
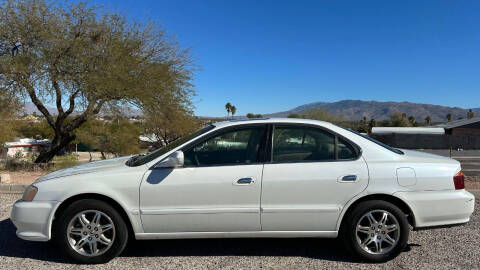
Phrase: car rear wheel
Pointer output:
(376, 231)
(91, 231)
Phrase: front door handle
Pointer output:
(349, 178)
(245, 181)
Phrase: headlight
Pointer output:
(29, 193)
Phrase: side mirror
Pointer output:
(174, 160)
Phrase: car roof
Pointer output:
(267, 121)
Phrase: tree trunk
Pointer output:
(57, 146)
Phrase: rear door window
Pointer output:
(297, 144)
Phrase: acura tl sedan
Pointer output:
(249, 178)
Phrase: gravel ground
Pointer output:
(453, 248)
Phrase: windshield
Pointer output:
(388, 147)
(142, 159)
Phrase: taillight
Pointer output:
(459, 180)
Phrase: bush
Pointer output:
(27, 163)
(66, 161)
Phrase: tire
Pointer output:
(83, 239)
(364, 242)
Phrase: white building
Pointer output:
(408, 130)
(26, 146)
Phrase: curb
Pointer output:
(12, 188)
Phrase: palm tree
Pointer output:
(449, 117)
(233, 110)
(428, 120)
(228, 107)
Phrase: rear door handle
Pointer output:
(349, 178)
(245, 181)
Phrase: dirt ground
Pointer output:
(472, 182)
(25, 178)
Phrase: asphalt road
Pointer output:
(453, 248)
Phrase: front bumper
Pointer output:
(439, 208)
(33, 219)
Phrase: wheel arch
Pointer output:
(383, 197)
(95, 196)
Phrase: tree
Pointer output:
(32, 129)
(168, 122)
(233, 110)
(294, 115)
(118, 137)
(428, 120)
(252, 115)
(470, 114)
(86, 60)
(228, 107)
(372, 123)
(363, 121)
(9, 105)
(449, 117)
(411, 120)
(399, 120)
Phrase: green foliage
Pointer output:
(399, 120)
(86, 60)
(9, 105)
(412, 120)
(230, 109)
(26, 163)
(65, 161)
(428, 120)
(233, 110)
(252, 115)
(119, 136)
(37, 130)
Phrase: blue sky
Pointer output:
(269, 56)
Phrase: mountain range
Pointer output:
(30, 108)
(350, 110)
(357, 109)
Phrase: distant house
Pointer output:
(464, 134)
(25, 146)
(408, 130)
(462, 127)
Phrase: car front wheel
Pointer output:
(91, 231)
(376, 231)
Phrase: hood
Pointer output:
(419, 156)
(86, 168)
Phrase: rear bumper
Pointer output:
(33, 219)
(439, 208)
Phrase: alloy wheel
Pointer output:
(91, 233)
(377, 232)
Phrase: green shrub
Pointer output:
(26, 163)
(65, 161)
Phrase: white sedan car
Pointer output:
(252, 178)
